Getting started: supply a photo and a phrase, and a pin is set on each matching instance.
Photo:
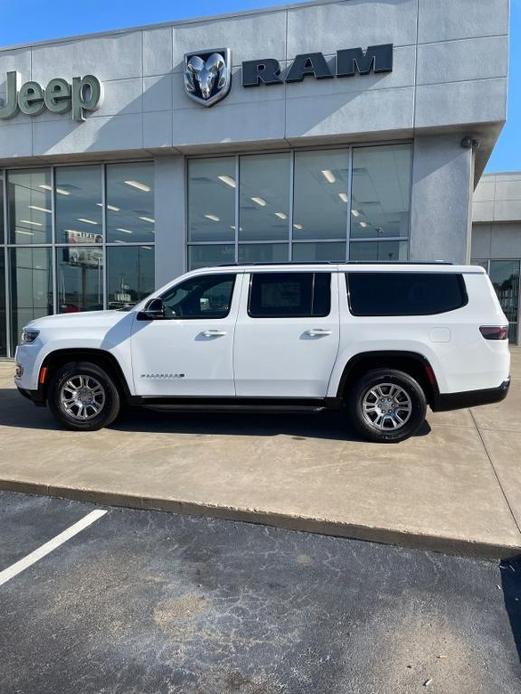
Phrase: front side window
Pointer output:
(207, 296)
(289, 294)
(404, 293)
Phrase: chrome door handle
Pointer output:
(317, 332)
(213, 333)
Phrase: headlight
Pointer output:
(29, 335)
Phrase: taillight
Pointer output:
(496, 332)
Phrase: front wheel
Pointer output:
(386, 405)
(83, 396)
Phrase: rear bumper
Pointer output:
(471, 398)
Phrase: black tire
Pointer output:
(109, 405)
(413, 417)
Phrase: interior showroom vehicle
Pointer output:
(378, 341)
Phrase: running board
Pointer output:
(192, 407)
(233, 404)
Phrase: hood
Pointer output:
(93, 319)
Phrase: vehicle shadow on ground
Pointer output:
(511, 585)
(17, 412)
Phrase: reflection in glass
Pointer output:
(263, 253)
(264, 197)
(206, 256)
(30, 206)
(389, 251)
(504, 275)
(31, 287)
(130, 202)
(381, 191)
(79, 278)
(78, 204)
(320, 199)
(130, 275)
(211, 199)
(3, 324)
(309, 252)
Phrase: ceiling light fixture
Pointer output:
(298, 226)
(259, 201)
(363, 224)
(40, 209)
(281, 215)
(139, 186)
(125, 231)
(212, 217)
(329, 175)
(87, 221)
(343, 197)
(25, 233)
(61, 191)
(148, 219)
(355, 213)
(112, 208)
(28, 221)
(228, 180)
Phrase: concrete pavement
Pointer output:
(456, 487)
(143, 602)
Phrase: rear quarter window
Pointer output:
(405, 293)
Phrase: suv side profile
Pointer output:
(380, 341)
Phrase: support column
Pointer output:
(170, 216)
(441, 205)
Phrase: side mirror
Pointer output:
(154, 310)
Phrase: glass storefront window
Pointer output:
(504, 275)
(381, 192)
(79, 279)
(328, 221)
(263, 253)
(2, 234)
(30, 206)
(78, 205)
(389, 251)
(130, 275)
(264, 197)
(211, 199)
(130, 202)
(311, 252)
(209, 255)
(3, 322)
(31, 287)
(320, 197)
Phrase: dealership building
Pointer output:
(332, 131)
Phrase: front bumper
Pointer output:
(471, 398)
(35, 396)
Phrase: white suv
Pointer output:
(380, 340)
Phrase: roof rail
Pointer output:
(335, 262)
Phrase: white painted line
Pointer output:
(48, 547)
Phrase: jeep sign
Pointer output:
(84, 95)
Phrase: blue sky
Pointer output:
(23, 21)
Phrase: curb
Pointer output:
(387, 536)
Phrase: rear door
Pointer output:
(287, 334)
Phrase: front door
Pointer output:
(287, 334)
(190, 351)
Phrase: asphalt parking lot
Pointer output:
(144, 601)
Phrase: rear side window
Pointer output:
(289, 294)
(404, 293)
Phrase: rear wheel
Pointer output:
(386, 405)
(83, 396)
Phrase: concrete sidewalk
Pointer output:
(455, 488)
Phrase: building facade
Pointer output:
(330, 130)
(496, 240)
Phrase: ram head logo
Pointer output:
(207, 75)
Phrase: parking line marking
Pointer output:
(48, 547)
